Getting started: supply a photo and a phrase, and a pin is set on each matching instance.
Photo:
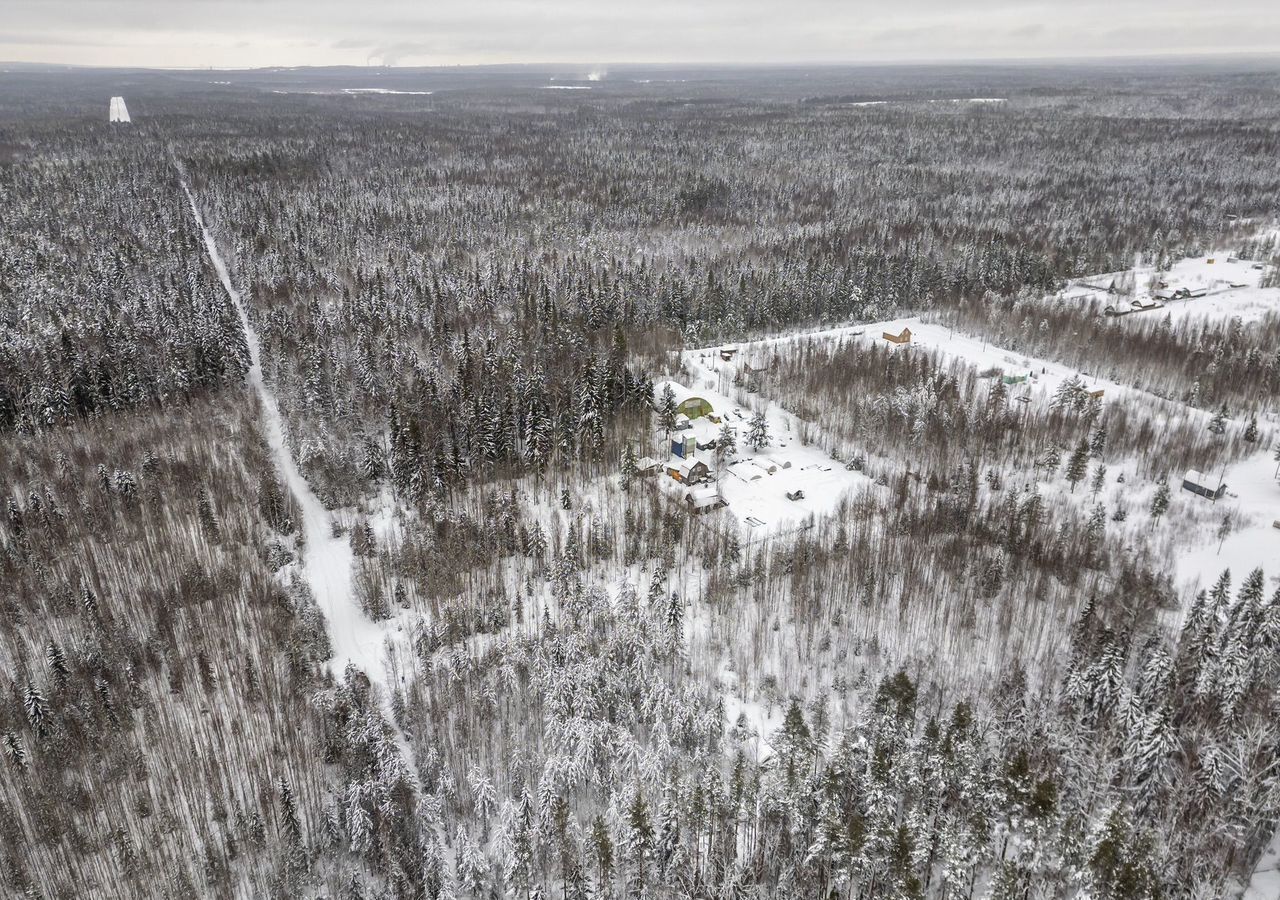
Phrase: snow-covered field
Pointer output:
(1231, 290)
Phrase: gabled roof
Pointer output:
(1200, 479)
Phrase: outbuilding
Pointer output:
(647, 465)
(902, 337)
(703, 500)
(1203, 485)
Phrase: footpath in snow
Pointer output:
(328, 560)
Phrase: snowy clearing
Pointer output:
(1218, 287)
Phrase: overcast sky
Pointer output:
(238, 33)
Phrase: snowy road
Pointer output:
(328, 561)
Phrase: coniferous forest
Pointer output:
(708, 483)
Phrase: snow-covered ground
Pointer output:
(1232, 287)
(1266, 877)
(1253, 502)
(755, 483)
(1190, 527)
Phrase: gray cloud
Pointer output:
(422, 32)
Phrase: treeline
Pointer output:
(106, 301)
(1204, 363)
(159, 732)
(567, 742)
(921, 411)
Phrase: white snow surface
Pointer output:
(118, 112)
(1222, 302)
(385, 91)
(1265, 884)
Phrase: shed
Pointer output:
(1197, 292)
(683, 446)
(1203, 485)
(902, 337)
(647, 465)
(728, 353)
(703, 500)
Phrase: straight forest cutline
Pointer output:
(328, 560)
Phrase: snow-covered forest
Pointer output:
(700, 484)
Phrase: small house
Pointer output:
(1203, 485)
(795, 495)
(1096, 394)
(1197, 292)
(1209, 261)
(688, 471)
(1165, 293)
(647, 466)
(703, 500)
(682, 422)
(902, 337)
(1143, 303)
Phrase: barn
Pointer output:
(1203, 485)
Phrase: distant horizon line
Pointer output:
(1101, 58)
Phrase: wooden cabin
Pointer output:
(1203, 485)
(902, 337)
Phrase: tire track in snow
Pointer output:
(328, 562)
